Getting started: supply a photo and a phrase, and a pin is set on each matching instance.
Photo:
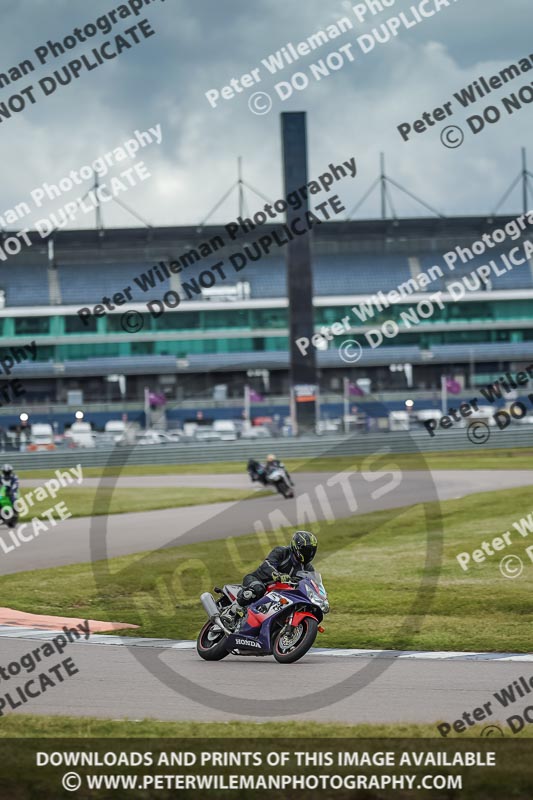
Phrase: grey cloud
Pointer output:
(201, 46)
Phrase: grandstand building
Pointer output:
(227, 327)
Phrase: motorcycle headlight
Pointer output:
(319, 601)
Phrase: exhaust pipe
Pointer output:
(211, 609)
(209, 605)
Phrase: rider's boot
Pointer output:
(237, 617)
(245, 597)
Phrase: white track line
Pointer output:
(14, 632)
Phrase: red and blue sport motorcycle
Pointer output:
(283, 623)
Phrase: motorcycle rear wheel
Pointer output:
(289, 648)
(214, 650)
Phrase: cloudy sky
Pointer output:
(202, 45)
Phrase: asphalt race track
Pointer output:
(139, 679)
(120, 682)
(319, 496)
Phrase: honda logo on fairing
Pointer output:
(247, 642)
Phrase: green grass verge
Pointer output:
(372, 565)
(25, 725)
(479, 458)
(83, 502)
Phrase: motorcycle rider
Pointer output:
(273, 463)
(280, 565)
(256, 472)
(11, 482)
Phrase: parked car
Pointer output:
(328, 426)
(258, 432)
(122, 433)
(227, 428)
(157, 437)
(81, 434)
(399, 421)
(42, 437)
(205, 433)
(484, 413)
(424, 414)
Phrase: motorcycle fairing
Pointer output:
(257, 623)
(232, 590)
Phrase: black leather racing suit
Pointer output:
(279, 560)
(270, 466)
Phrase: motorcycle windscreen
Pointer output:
(314, 577)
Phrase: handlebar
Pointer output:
(286, 579)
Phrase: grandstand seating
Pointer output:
(499, 351)
(332, 275)
(154, 365)
(86, 283)
(25, 286)
(520, 277)
(129, 365)
(359, 274)
(347, 261)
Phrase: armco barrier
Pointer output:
(305, 448)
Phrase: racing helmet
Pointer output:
(7, 471)
(271, 457)
(303, 547)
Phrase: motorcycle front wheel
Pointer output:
(12, 523)
(291, 645)
(211, 643)
(284, 489)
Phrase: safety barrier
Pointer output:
(518, 436)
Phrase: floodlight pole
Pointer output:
(99, 220)
(383, 180)
(240, 183)
(525, 178)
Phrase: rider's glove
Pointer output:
(282, 578)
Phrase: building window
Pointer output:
(29, 326)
